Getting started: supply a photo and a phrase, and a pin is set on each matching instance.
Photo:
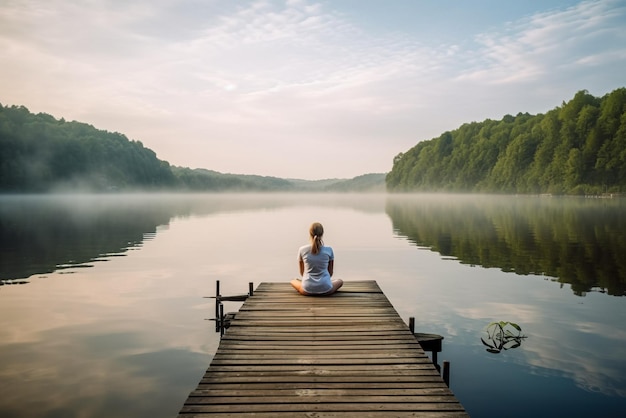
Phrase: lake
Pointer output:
(103, 310)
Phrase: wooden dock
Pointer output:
(345, 355)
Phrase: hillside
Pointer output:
(576, 148)
(41, 154)
(373, 182)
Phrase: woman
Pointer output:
(316, 263)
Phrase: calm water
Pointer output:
(111, 321)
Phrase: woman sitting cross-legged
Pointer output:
(316, 262)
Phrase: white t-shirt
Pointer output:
(316, 278)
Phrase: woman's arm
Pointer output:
(331, 266)
(301, 264)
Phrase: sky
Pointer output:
(302, 88)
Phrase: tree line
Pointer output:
(40, 154)
(576, 148)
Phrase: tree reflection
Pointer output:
(573, 240)
(40, 235)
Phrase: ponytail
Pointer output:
(316, 231)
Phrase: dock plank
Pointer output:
(345, 355)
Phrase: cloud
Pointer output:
(557, 41)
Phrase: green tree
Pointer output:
(578, 147)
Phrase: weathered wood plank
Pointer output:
(217, 392)
(309, 377)
(329, 414)
(314, 330)
(340, 358)
(248, 386)
(320, 346)
(322, 366)
(331, 374)
(239, 333)
(281, 400)
(329, 407)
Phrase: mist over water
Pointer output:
(112, 321)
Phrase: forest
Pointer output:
(41, 154)
(578, 148)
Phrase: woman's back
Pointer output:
(316, 265)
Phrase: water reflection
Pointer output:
(45, 233)
(41, 234)
(96, 371)
(127, 337)
(575, 241)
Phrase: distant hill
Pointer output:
(374, 182)
(201, 179)
(576, 148)
(41, 154)
(209, 180)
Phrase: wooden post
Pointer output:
(412, 324)
(250, 289)
(217, 305)
(446, 372)
(221, 320)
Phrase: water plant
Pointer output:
(502, 336)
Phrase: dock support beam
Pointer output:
(222, 321)
(446, 373)
(217, 305)
(429, 342)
